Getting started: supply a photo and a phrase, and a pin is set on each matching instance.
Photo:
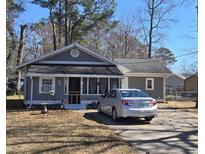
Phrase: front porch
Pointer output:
(72, 92)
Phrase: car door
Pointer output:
(111, 101)
(103, 101)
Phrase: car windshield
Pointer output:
(133, 93)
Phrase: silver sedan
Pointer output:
(128, 103)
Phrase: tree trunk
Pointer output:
(20, 56)
(53, 29)
(59, 24)
(66, 23)
(150, 30)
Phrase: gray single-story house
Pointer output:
(76, 76)
(146, 74)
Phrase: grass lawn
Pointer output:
(15, 97)
(60, 131)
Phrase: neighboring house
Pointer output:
(76, 75)
(191, 83)
(175, 82)
(146, 74)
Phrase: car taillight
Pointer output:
(125, 102)
(153, 102)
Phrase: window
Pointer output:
(92, 85)
(46, 85)
(114, 83)
(84, 85)
(66, 86)
(149, 83)
(103, 85)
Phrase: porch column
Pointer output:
(31, 88)
(81, 85)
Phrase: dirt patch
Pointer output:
(60, 131)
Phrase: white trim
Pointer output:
(81, 85)
(74, 53)
(73, 62)
(73, 75)
(147, 74)
(146, 83)
(40, 84)
(61, 50)
(31, 88)
(25, 84)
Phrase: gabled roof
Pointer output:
(142, 65)
(64, 49)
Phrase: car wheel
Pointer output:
(148, 118)
(99, 108)
(114, 114)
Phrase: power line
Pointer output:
(155, 60)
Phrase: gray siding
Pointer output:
(89, 97)
(139, 83)
(59, 90)
(65, 56)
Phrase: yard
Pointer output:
(60, 131)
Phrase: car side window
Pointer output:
(113, 94)
(107, 95)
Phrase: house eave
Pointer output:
(72, 75)
(147, 74)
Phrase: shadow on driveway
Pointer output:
(165, 134)
(106, 119)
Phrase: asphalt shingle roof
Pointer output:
(74, 70)
(142, 65)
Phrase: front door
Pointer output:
(74, 90)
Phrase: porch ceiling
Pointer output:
(97, 70)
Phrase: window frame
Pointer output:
(41, 81)
(152, 83)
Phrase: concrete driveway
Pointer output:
(172, 131)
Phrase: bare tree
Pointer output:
(154, 18)
(66, 22)
(20, 54)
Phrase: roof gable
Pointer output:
(64, 56)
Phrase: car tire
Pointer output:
(99, 108)
(148, 118)
(114, 114)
